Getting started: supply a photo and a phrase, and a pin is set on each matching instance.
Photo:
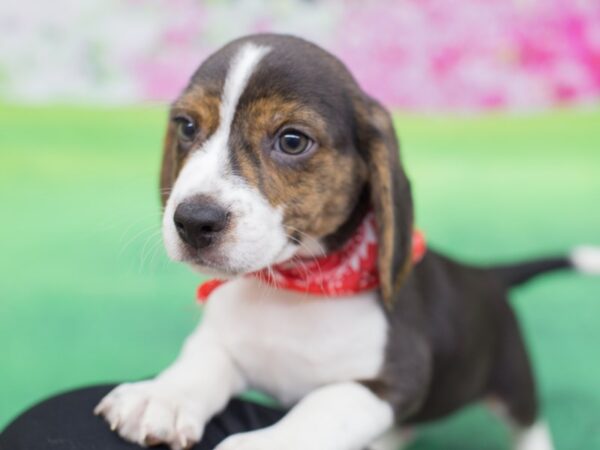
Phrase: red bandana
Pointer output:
(350, 270)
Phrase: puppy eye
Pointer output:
(186, 129)
(293, 142)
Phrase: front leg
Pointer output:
(174, 407)
(342, 416)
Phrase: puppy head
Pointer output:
(273, 151)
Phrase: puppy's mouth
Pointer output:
(217, 262)
(217, 266)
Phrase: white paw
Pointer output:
(265, 439)
(149, 413)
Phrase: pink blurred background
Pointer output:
(420, 55)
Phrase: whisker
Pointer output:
(153, 251)
(143, 253)
(141, 232)
(120, 222)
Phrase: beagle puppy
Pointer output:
(274, 157)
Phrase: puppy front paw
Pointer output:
(265, 439)
(149, 413)
(253, 440)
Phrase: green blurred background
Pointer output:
(87, 294)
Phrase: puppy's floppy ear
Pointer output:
(390, 196)
(169, 164)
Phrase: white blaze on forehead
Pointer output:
(241, 68)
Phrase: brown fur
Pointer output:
(317, 192)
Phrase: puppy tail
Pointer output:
(584, 259)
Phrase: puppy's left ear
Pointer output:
(168, 165)
(391, 196)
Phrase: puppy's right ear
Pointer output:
(169, 163)
(391, 197)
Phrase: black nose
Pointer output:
(200, 222)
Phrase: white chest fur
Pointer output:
(288, 343)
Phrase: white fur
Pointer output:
(536, 437)
(293, 346)
(335, 417)
(257, 238)
(242, 66)
(586, 259)
(288, 344)
(396, 438)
